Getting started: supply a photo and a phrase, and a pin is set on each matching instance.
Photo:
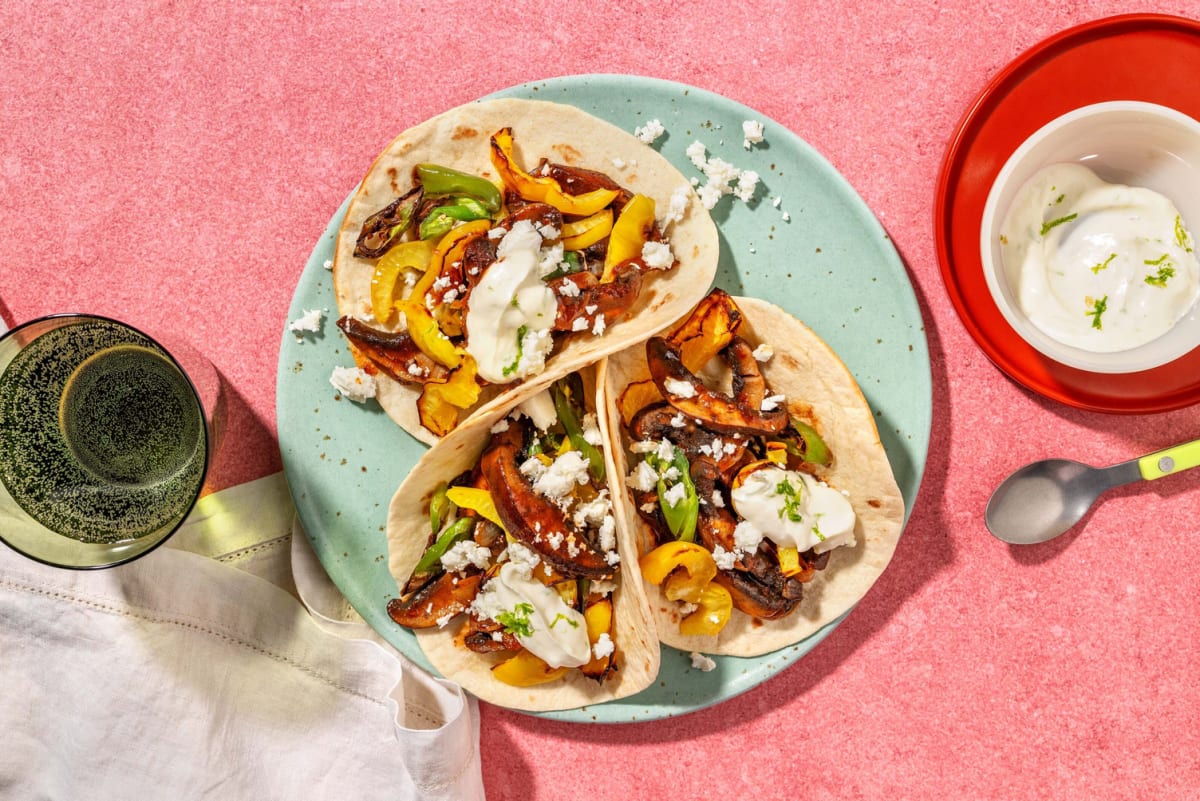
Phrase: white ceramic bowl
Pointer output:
(1126, 142)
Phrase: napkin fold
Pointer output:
(197, 672)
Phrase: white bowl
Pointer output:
(1125, 142)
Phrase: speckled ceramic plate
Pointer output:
(820, 253)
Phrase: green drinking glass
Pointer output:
(104, 444)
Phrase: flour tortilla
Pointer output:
(820, 389)
(459, 138)
(407, 533)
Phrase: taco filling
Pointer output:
(522, 548)
(477, 284)
(730, 477)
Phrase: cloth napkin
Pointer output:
(198, 672)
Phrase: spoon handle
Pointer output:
(1170, 460)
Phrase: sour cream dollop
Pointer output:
(1102, 267)
(537, 616)
(794, 510)
(511, 310)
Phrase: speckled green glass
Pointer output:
(103, 444)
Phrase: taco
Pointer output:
(511, 241)
(512, 573)
(754, 483)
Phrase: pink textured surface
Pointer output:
(172, 164)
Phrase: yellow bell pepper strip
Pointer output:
(428, 336)
(437, 181)
(629, 234)
(789, 561)
(541, 188)
(526, 670)
(477, 500)
(695, 560)
(442, 251)
(777, 453)
(383, 228)
(635, 397)
(404, 256)
(567, 394)
(579, 234)
(599, 619)
(439, 403)
(455, 532)
(714, 607)
(707, 330)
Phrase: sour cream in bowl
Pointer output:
(1086, 239)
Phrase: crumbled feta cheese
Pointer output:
(678, 388)
(650, 131)
(649, 508)
(599, 326)
(658, 256)
(764, 352)
(675, 495)
(747, 537)
(501, 426)
(580, 324)
(603, 647)
(701, 662)
(548, 232)
(568, 288)
(328, 265)
(787, 217)
(535, 348)
(496, 233)
(747, 184)
(677, 206)
(607, 535)
(718, 500)
(644, 478)
(594, 513)
(417, 371)
(464, 554)
(612, 558)
(557, 480)
(602, 587)
(721, 176)
(309, 321)
(445, 619)
(353, 383)
(752, 133)
(678, 421)
(619, 163)
(591, 430)
(443, 282)
(522, 557)
(771, 403)
(725, 560)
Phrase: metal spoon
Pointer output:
(1045, 499)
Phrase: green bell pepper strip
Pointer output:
(681, 517)
(440, 507)
(385, 227)
(443, 218)
(438, 180)
(572, 263)
(568, 417)
(456, 531)
(815, 449)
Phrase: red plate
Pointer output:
(1145, 57)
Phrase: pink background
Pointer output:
(172, 164)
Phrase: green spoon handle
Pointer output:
(1170, 460)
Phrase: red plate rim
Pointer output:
(961, 194)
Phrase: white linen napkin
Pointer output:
(195, 672)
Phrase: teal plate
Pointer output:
(829, 262)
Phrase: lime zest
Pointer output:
(1096, 309)
(1046, 226)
